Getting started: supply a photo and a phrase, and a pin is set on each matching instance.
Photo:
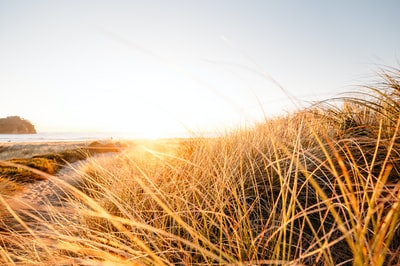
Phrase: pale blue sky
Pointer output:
(153, 67)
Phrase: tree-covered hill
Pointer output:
(16, 125)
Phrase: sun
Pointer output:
(146, 127)
(151, 134)
(143, 119)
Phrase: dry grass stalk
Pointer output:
(318, 187)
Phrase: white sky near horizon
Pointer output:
(157, 67)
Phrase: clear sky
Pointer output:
(153, 67)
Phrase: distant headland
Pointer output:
(16, 125)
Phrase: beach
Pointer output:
(9, 150)
(22, 163)
(32, 194)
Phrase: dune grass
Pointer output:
(316, 187)
(49, 163)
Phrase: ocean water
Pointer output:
(66, 136)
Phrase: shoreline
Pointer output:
(66, 137)
(34, 142)
(17, 161)
(11, 150)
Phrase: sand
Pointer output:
(9, 150)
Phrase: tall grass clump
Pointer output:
(316, 187)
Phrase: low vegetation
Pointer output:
(317, 187)
(12, 170)
(50, 163)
